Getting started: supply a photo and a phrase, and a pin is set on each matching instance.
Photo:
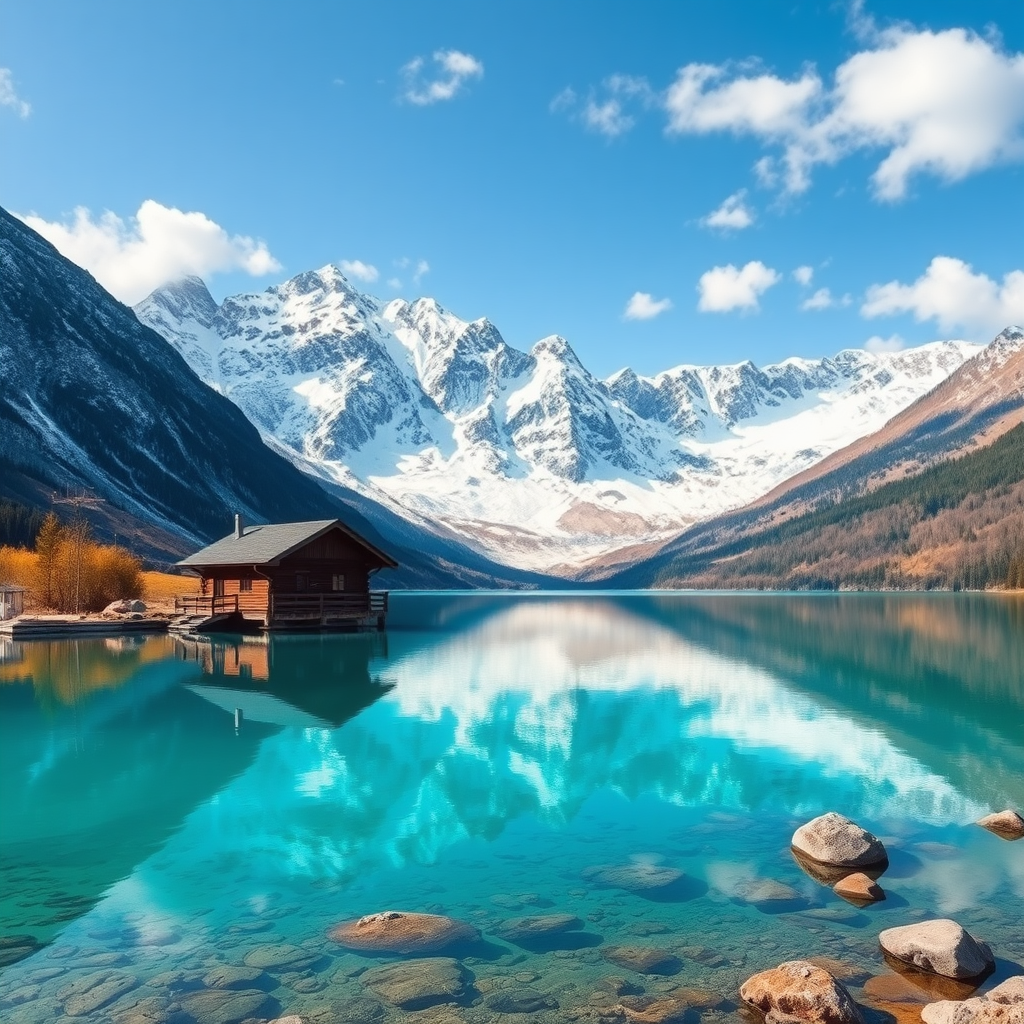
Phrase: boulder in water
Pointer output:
(415, 984)
(940, 947)
(835, 840)
(394, 931)
(859, 888)
(1005, 824)
(1002, 1005)
(800, 991)
(637, 876)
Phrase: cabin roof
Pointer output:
(269, 543)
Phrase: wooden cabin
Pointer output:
(289, 576)
(12, 601)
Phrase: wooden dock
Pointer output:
(55, 627)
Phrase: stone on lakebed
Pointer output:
(859, 888)
(800, 990)
(638, 876)
(394, 931)
(415, 984)
(540, 926)
(835, 840)
(940, 947)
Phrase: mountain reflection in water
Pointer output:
(476, 717)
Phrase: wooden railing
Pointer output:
(197, 604)
(326, 606)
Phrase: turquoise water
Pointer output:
(480, 759)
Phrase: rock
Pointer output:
(292, 1018)
(280, 956)
(642, 959)
(1006, 824)
(859, 888)
(17, 947)
(227, 1006)
(87, 994)
(637, 876)
(1004, 1004)
(415, 984)
(532, 929)
(832, 839)
(520, 1000)
(230, 976)
(798, 990)
(660, 1009)
(763, 892)
(117, 608)
(397, 932)
(940, 946)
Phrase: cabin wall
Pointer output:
(254, 603)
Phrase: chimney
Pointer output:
(239, 527)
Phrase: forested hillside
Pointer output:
(958, 525)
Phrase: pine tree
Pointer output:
(48, 543)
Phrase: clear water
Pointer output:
(475, 761)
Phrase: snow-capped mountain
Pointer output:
(525, 455)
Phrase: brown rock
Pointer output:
(86, 995)
(1005, 824)
(520, 1000)
(541, 926)
(668, 1009)
(231, 976)
(932, 986)
(637, 876)
(833, 839)
(940, 946)
(760, 892)
(280, 956)
(642, 959)
(226, 1006)
(1004, 1004)
(800, 990)
(398, 932)
(859, 888)
(415, 984)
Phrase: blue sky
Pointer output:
(555, 167)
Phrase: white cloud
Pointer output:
(422, 268)
(9, 96)
(877, 344)
(732, 215)
(444, 79)
(803, 275)
(954, 296)
(394, 282)
(607, 110)
(725, 288)
(946, 103)
(643, 306)
(359, 270)
(157, 245)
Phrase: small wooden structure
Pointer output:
(286, 576)
(12, 601)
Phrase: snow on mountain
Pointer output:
(526, 456)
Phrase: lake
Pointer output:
(495, 757)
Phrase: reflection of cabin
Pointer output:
(318, 682)
(12, 601)
(286, 576)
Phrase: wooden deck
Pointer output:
(292, 611)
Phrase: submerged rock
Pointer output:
(520, 1000)
(280, 956)
(232, 976)
(637, 876)
(766, 892)
(661, 1009)
(1004, 1004)
(859, 888)
(398, 932)
(1005, 824)
(833, 839)
(87, 994)
(225, 1005)
(538, 927)
(940, 946)
(799, 990)
(642, 959)
(416, 984)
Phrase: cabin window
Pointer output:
(244, 586)
(338, 582)
(218, 588)
(301, 582)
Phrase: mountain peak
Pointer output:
(185, 297)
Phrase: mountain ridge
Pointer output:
(525, 456)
